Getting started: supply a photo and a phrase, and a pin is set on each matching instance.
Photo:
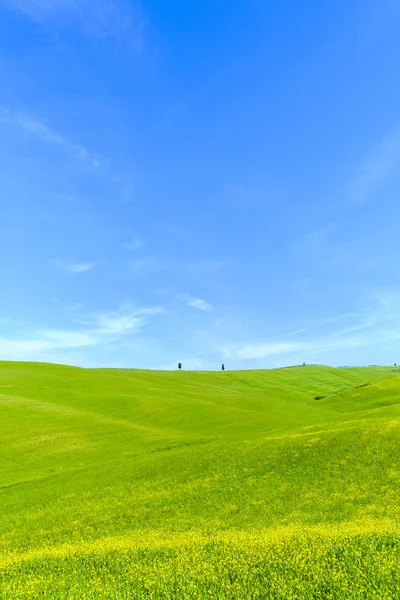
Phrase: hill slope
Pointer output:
(99, 461)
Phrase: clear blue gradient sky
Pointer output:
(201, 181)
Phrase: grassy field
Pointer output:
(141, 484)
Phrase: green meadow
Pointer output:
(248, 484)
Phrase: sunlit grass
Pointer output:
(281, 564)
(135, 484)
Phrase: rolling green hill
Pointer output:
(136, 484)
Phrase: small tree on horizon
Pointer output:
(223, 367)
(179, 366)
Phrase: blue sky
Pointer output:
(201, 181)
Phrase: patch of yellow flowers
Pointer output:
(347, 561)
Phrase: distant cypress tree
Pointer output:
(223, 367)
(179, 366)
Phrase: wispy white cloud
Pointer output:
(198, 303)
(378, 325)
(36, 129)
(381, 164)
(352, 329)
(337, 318)
(73, 269)
(43, 344)
(121, 19)
(123, 321)
(382, 314)
(298, 331)
(99, 330)
(317, 346)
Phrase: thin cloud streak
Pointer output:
(39, 344)
(40, 131)
(98, 330)
(382, 163)
(198, 303)
(268, 349)
(120, 19)
(120, 322)
(379, 325)
(74, 269)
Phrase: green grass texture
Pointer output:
(244, 484)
